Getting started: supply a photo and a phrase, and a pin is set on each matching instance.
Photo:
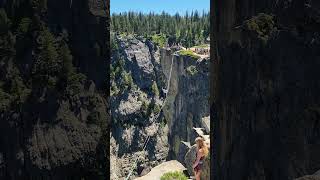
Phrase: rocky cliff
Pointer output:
(188, 99)
(136, 82)
(53, 106)
(140, 71)
(265, 86)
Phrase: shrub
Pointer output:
(144, 108)
(159, 39)
(163, 122)
(46, 63)
(112, 73)
(155, 89)
(114, 90)
(17, 89)
(262, 25)
(51, 82)
(66, 58)
(5, 100)
(127, 80)
(5, 22)
(202, 46)
(47, 45)
(156, 109)
(75, 84)
(40, 5)
(192, 70)
(188, 53)
(174, 176)
(24, 25)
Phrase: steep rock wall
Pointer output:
(55, 131)
(133, 107)
(86, 21)
(187, 101)
(265, 86)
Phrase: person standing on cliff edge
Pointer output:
(202, 152)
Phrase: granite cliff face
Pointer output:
(53, 106)
(265, 85)
(141, 71)
(188, 99)
(135, 100)
(86, 21)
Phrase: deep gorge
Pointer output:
(185, 108)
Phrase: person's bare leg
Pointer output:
(198, 175)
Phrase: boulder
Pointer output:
(160, 170)
(315, 176)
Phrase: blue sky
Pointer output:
(157, 6)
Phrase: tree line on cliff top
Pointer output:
(188, 30)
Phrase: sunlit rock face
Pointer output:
(188, 98)
(186, 106)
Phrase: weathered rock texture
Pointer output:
(87, 22)
(188, 98)
(265, 89)
(160, 170)
(133, 107)
(54, 130)
(186, 105)
(315, 176)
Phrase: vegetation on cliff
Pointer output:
(188, 53)
(41, 84)
(261, 26)
(192, 70)
(174, 175)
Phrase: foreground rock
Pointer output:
(160, 170)
(315, 176)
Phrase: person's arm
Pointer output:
(199, 155)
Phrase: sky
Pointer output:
(157, 6)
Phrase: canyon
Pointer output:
(186, 106)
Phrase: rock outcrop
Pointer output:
(157, 172)
(265, 89)
(315, 176)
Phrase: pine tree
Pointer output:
(188, 30)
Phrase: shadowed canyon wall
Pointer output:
(53, 90)
(265, 86)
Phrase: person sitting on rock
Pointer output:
(202, 152)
